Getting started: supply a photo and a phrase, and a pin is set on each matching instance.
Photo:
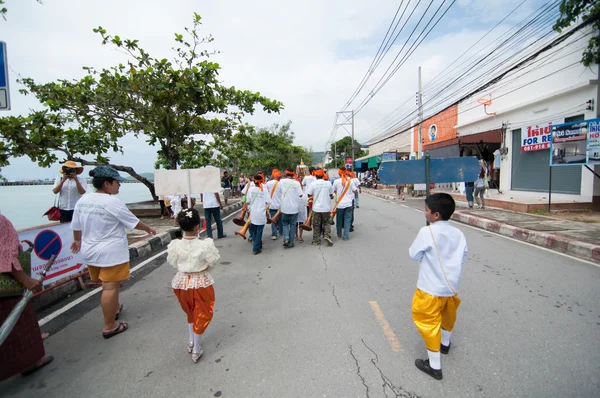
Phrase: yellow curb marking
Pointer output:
(387, 329)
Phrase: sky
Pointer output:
(311, 55)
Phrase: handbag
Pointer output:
(9, 286)
(53, 213)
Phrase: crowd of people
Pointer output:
(99, 221)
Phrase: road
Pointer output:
(336, 322)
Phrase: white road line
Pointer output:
(86, 296)
(518, 241)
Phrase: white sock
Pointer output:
(446, 337)
(191, 330)
(197, 342)
(435, 360)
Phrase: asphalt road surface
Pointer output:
(336, 322)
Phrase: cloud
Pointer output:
(310, 54)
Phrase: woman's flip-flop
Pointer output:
(119, 329)
(45, 361)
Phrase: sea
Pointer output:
(24, 205)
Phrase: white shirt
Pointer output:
(452, 246)
(321, 191)
(339, 187)
(274, 196)
(257, 203)
(102, 220)
(356, 183)
(290, 191)
(209, 201)
(307, 181)
(189, 255)
(69, 195)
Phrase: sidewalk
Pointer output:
(579, 239)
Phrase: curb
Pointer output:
(141, 250)
(561, 244)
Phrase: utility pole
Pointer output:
(352, 139)
(420, 104)
(348, 120)
(334, 152)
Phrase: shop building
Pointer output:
(513, 132)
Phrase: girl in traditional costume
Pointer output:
(193, 283)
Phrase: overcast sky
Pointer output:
(309, 54)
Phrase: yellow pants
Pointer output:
(431, 314)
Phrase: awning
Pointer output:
(374, 161)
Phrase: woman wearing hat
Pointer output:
(98, 226)
(70, 188)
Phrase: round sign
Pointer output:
(46, 244)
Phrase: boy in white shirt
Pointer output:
(321, 192)
(290, 191)
(275, 197)
(258, 199)
(345, 189)
(441, 250)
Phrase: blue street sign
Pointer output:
(4, 92)
(441, 170)
(46, 244)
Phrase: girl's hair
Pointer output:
(188, 219)
(482, 174)
(98, 182)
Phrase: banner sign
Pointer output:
(49, 240)
(536, 138)
(388, 156)
(576, 143)
(441, 170)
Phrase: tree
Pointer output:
(168, 103)
(264, 149)
(342, 149)
(589, 12)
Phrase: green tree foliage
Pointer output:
(342, 149)
(588, 11)
(265, 149)
(174, 105)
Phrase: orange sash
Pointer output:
(273, 190)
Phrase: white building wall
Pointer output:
(547, 91)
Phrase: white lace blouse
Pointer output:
(192, 258)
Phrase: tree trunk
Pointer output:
(126, 169)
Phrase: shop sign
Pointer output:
(576, 143)
(536, 138)
(388, 156)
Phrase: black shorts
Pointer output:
(66, 215)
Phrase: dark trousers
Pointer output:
(256, 233)
(276, 228)
(208, 215)
(343, 220)
(321, 224)
(66, 215)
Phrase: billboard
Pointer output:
(575, 143)
(389, 156)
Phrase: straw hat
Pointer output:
(72, 165)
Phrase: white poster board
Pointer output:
(187, 181)
(49, 240)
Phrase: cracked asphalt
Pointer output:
(297, 323)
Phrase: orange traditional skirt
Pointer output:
(433, 313)
(198, 305)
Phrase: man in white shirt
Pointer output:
(290, 191)
(275, 198)
(321, 192)
(309, 179)
(258, 199)
(356, 182)
(211, 202)
(70, 188)
(345, 189)
(441, 250)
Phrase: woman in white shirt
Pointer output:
(98, 225)
(70, 189)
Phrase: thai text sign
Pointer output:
(536, 138)
(576, 143)
(50, 240)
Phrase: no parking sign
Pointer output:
(49, 241)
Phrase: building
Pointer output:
(512, 133)
(395, 141)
